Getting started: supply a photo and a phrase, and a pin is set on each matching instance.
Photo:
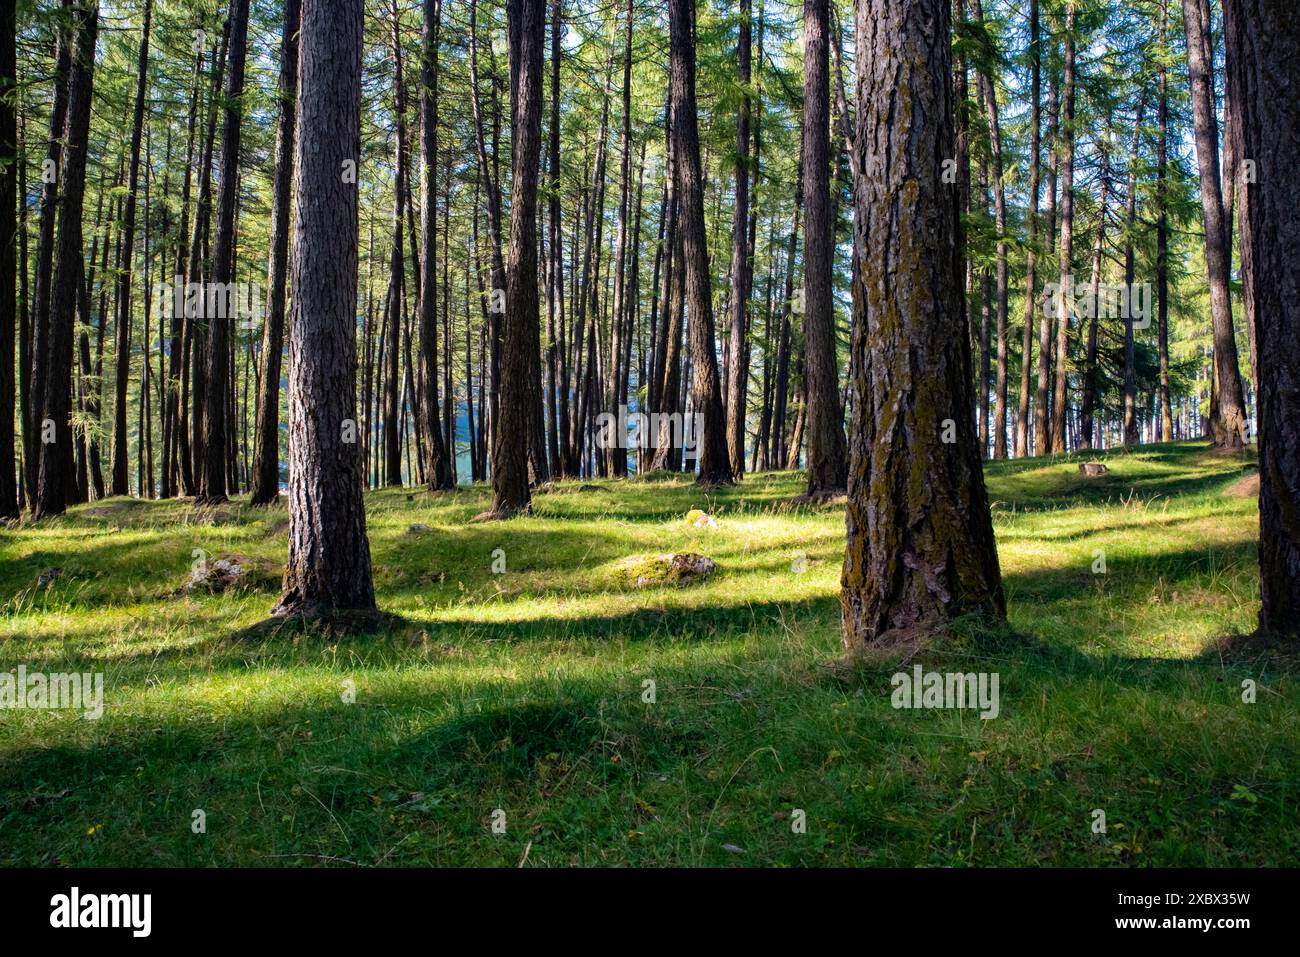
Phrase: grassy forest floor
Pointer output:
(524, 691)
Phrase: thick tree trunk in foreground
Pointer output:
(920, 538)
(1228, 423)
(329, 554)
(266, 449)
(8, 255)
(55, 477)
(510, 444)
(438, 468)
(1262, 39)
(212, 479)
(827, 458)
(711, 445)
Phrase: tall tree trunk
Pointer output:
(491, 181)
(1091, 373)
(741, 266)
(173, 435)
(556, 356)
(990, 96)
(510, 450)
(266, 449)
(396, 273)
(1065, 293)
(120, 481)
(620, 329)
(212, 485)
(51, 174)
(1228, 423)
(1043, 399)
(827, 462)
(920, 538)
(1031, 248)
(1129, 436)
(438, 473)
(1262, 37)
(329, 554)
(711, 446)
(55, 473)
(1162, 241)
(9, 160)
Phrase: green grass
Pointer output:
(523, 691)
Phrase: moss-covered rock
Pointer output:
(648, 571)
(231, 572)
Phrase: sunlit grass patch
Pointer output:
(652, 726)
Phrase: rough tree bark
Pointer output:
(510, 448)
(920, 537)
(329, 554)
(1262, 37)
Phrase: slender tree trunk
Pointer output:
(1091, 374)
(120, 482)
(711, 446)
(55, 474)
(741, 268)
(396, 275)
(827, 462)
(1228, 422)
(1043, 400)
(217, 382)
(438, 472)
(9, 160)
(34, 427)
(1162, 241)
(266, 449)
(989, 93)
(1129, 436)
(1031, 248)
(510, 450)
(920, 538)
(491, 181)
(1065, 293)
(329, 554)
(556, 357)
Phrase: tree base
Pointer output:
(503, 514)
(314, 619)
